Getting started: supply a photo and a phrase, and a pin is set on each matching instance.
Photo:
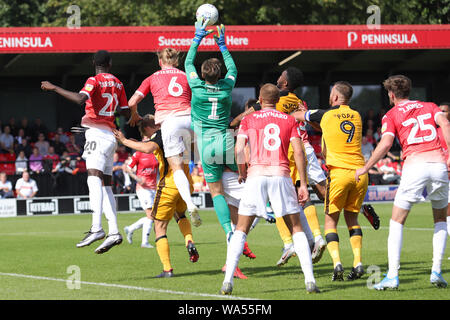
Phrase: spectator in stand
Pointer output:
(63, 137)
(118, 178)
(6, 141)
(5, 187)
(59, 146)
(51, 159)
(21, 162)
(375, 176)
(122, 153)
(38, 127)
(198, 180)
(26, 127)
(377, 135)
(42, 144)
(371, 121)
(369, 137)
(25, 147)
(26, 187)
(20, 136)
(72, 147)
(66, 165)
(36, 160)
(13, 126)
(366, 148)
(389, 173)
(399, 169)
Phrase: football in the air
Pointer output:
(208, 11)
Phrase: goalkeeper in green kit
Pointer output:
(210, 113)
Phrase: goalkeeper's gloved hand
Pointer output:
(220, 40)
(200, 31)
(270, 218)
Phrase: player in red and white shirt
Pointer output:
(268, 133)
(146, 166)
(172, 98)
(102, 95)
(414, 123)
(445, 108)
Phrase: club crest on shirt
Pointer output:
(89, 87)
(384, 127)
(193, 75)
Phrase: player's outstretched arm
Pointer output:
(240, 158)
(134, 114)
(300, 163)
(236, 121)
(145, 147)
(76, 97)
(227, 58)
(380, 151)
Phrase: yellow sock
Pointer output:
(313, 221)
(186, 230)
(333, 245)
(162, 247)
(356, 242)
(283, 230)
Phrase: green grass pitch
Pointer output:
(37, 251)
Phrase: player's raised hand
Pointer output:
(134, 119)
(47, 86)
(220, 38)
(200, 29)
(303, 194)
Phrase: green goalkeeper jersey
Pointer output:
(210, 104)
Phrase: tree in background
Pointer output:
(232, 12)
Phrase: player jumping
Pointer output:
(172, 99)
(103, 94)
(168, 201)
(425, 166)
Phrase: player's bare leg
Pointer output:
(234, 217)
(332, 238)
(162, 247)
(109, 208)
(313, 221)
(302, 250)
(94, 182)
(351, 219)
(181, 181)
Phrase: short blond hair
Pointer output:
(269, 94)
(147, 121)
(169, 56)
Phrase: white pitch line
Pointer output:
(120, 286)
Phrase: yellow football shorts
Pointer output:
(343, 192)
(167, 202)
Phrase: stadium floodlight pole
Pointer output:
(292, 56)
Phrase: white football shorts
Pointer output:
(146, 197)
(415, 177)
(176, 134)
(232, 188)
(260, 189)
(313, 169)
(99, 150)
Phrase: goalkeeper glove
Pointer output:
(200, 31)
(220, 40)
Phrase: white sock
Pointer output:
(307, 229)
(182, 183)
(233, 227)
(146, 229)
(395, 241)
(137, 225)
(95, 200)
(448, 225)
(234, 252)
(303, 252)
(439, 243)
(109, 208)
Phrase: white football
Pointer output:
(208, 11)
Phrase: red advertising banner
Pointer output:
(238, 38)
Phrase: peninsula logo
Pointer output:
(373, 39)
(25, 42)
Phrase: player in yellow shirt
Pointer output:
(341, 144)
(168, 202)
